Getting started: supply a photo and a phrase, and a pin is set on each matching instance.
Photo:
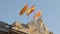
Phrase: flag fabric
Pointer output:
(38, 14)
(24, 9)
(29, 11)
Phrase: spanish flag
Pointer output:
(38, 14)
(24, 9)
(29, 11)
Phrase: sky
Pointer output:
(9, 12)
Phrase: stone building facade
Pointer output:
(33, 27)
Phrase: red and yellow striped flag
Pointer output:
(38, 14)
(24, 9)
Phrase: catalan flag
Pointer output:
(38, 14)
(24, 9)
